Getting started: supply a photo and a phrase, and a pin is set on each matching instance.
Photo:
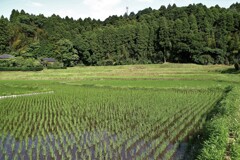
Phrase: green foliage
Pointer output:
(203, 59)
(215, 147)
(237, 66)
(220, 133)
(56, 67)
(20, 62)
(5, 63)
(164, 38)
(171, 34)
(66, 53)
(21, 68)
(4, 35)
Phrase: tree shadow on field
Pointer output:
(196, 144)
(230, 71)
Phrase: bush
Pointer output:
(237, 66)
(56, 67)
(203, 59)
(21, 68)
(5, 63)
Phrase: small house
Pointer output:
(6, 56)
(5, 60)
(49, 60)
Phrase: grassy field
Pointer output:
(114, 112)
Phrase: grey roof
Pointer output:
(6, 56)
(49, 59)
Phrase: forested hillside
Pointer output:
(192, 34)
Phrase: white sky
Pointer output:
(98, 9)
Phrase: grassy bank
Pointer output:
(221, 133)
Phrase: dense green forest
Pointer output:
(192, 34)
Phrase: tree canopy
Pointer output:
(191, 34)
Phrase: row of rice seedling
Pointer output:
(176, 132)
(101, 123)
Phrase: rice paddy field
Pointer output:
(114, 112)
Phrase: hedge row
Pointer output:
(222, 132)
(51, 67)
(21, 68)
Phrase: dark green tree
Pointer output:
(4, 35)
(65, 52)
(165, 44)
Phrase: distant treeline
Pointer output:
(192, 34)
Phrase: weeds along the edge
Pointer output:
(221, 134)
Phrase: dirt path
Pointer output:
(24, 95)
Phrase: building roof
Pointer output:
(6, 56)
(49, 59)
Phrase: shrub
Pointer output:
(203, 59)
(56, 67)
(237, 66)
(21, 68)
(5, 63)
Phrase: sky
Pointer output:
(97, 9)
